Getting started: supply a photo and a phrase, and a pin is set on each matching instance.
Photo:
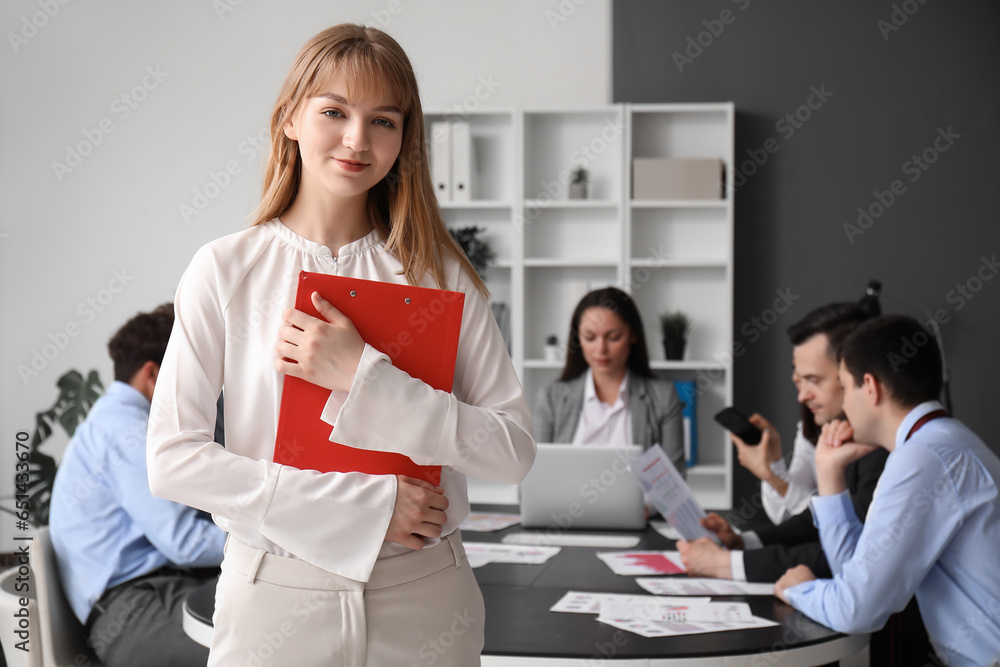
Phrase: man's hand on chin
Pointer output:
(704, 558)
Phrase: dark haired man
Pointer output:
(120, 549)
(765, 554)
(933, 528)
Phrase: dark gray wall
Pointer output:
(893, 92)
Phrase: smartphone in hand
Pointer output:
(734, 420)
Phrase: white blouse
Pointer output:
(228, 311)
(600, 423)
(801, 479)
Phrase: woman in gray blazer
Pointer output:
(607, 392)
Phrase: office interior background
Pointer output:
(833, 103)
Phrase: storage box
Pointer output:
(662, 178)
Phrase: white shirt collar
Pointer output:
(369, 240)
(913, 417)
(590, 390)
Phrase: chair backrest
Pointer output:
(62, 639)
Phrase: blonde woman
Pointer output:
(344, 568)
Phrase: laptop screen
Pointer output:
(583, 487)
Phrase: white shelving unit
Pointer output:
(669, 254)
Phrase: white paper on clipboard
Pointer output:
(670, 494)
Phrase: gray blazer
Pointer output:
(655, 408)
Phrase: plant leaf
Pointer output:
(76, 396)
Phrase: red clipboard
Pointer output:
(417, 327)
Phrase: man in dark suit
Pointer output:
(765, 554)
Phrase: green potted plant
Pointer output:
(477, 249)
(675, 328)
(552, 348)
(578, 183)
(77, 395)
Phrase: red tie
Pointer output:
(923, 420)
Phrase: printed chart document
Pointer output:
(483, 553)
(659, 616)
(675, 628)
(695, 586)
(632, 563)
(487, 522)
(669, 493)
(646, 608)
(577, 602)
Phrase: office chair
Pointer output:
(60, 634)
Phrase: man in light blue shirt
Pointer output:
(933, 528)
(120, 549)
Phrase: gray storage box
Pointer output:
(662, 178)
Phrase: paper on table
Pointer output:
(480, 558)
(576, 602)
(483, 553)
(631, 563)
(671, 629)
(650, 608)
(669, 493)
(486, 522)
(665, 529)
(695, 586)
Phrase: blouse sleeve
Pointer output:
(801, 479)
(303, 511)
(483, 428)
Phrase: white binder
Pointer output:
(440, 156)
(461, 162)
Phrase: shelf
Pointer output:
(679, 264)
(547, 263)
(659, 365)
(679, 203)
(668, 254)
(543, 363)
(474, 205)
(718, 107)
(570, 203)
(710, 470)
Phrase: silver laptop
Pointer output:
(583, 487)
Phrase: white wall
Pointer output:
(163, 95)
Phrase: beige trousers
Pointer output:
(420, 608)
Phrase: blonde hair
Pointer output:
(402, 206)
